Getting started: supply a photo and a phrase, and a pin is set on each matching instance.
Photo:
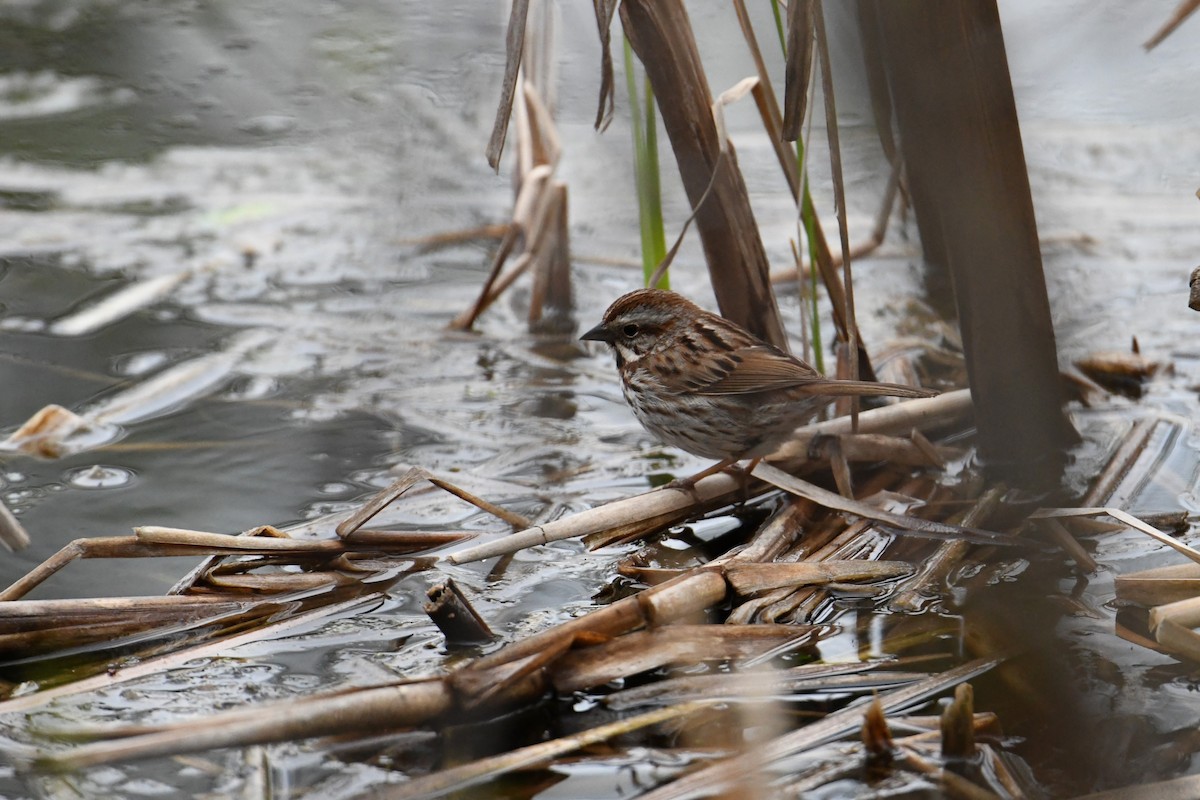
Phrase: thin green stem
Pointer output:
(644, 122)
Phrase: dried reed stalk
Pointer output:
(724, 774)
(970, 190)
(798, 72)
(661, 507)
(514, 49)
(661, 35)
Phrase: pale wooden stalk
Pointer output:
(1182, 11)
(249, 544)
(514, 50)
(98, 547)
(641, 513)
(852, 339)
(798, 72)
(434, 241)
(1160, 585)
(101, 608)
(1181, 612)
(284, 582)
(768, 106)
(1177, 639)
(385, 497)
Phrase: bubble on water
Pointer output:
(99, 477)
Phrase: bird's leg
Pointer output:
(689, 484)
(746, 471)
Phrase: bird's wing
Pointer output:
(756, 368)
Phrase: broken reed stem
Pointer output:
(514, 49)
(661, 35)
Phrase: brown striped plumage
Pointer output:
(705, 385)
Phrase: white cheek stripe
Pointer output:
(627, 355)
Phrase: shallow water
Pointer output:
(285, 155)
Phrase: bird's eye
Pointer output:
(630, 330)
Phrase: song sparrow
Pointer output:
(705, 385)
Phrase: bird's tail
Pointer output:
(838, 388)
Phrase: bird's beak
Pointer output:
(598, 334)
